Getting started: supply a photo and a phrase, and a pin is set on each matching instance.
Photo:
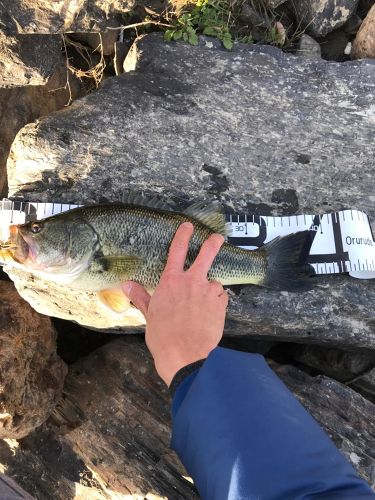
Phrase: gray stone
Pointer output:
(335, 363)
(261, 131)
(60, 16)
(347, 417)
(28, 60)
(308, 47)
(320, 17)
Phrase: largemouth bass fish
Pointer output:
(96, 248)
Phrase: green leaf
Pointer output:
(193, 39)
(209, 30)
(177, 35)
(185, 36)
(168, 35)
(228, 43)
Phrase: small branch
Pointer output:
(67, 85)
(137, 25)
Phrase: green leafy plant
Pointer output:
(207, 17)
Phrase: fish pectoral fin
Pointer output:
(120, 264)
(114, 299)
(210, 214)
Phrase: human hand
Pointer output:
(185, 315)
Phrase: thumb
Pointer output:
(137, 294)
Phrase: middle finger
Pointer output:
(206, 256)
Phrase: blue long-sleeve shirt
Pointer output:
(241, 434)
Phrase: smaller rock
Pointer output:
(336, 363)
(28, 59)
(320, 17)
(364, 43)
(308, 47)
(31, 373)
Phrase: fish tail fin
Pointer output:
(287, 268)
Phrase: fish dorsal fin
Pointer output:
(210, 214)
(133, 198)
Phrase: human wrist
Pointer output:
(183, 374)
(168, 367)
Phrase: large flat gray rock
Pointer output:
(259, 130)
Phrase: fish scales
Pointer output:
(145, 233)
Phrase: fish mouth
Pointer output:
(23, 251)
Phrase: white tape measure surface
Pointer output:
(341, 241)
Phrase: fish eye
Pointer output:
(36, 227)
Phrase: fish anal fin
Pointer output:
(210, 214)
(114, 299)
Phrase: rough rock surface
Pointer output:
(22, 105)
(364, 42)
(28, 60)
(346, 416)
(336, 363)
(365, 384)
(320, 17)
(111, 432)
(172, 127)
(31, 373)
(61, 16)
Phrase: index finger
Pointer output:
(179, 248)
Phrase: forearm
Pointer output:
(242, 434)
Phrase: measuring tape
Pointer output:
(341, 241)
